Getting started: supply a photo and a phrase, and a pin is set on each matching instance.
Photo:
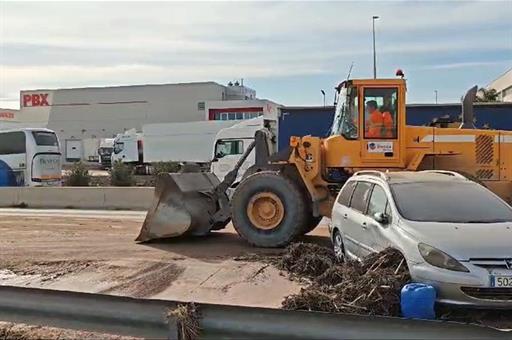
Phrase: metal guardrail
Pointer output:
(148, 318)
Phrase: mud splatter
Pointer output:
(48, 270)
(149, 281)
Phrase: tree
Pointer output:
(486, 95)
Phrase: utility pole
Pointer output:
(375, 17)
(435, 92)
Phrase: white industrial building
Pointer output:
(14, 119)
(81, 117)
(503, 86)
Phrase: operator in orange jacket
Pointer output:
(378, 124)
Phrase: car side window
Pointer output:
(360, 197)
(378, 201)
(346, 193)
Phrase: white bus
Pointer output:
(30, 157)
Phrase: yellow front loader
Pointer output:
(287, 194)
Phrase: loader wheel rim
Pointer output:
(265, 210)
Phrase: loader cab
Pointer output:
(369, 124)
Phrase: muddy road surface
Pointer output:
(94, 251)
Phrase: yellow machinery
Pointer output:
(288, 194)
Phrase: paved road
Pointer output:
(94, 251)
(75, 213)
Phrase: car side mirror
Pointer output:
(381, 217)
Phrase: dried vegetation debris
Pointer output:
(187, 321)
(371, 287)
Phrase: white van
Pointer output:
(30, 157)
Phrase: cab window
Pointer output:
(380, 113)
(360, 196)
(378, 201)
(228, 147)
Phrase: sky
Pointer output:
(287, 51)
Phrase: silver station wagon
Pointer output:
(454, 233)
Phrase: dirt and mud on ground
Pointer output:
(371, 287)
(95, 252)
(13, 331)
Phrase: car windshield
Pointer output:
(458, 202)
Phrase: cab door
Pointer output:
(382, 122)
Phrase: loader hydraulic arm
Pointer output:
(231, 176)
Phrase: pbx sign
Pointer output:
(35, 99)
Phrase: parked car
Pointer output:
(454, 233)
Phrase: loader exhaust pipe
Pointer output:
(468, 112)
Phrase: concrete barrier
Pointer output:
(122, 198)
(9, 197)
(128, 198)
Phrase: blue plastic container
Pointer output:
(7, 177)
(417, 301)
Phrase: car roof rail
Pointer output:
(380, 174)
(445, 172)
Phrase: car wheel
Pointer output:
(339, 249)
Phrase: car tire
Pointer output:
(338, 246)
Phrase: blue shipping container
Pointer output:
(317, 120)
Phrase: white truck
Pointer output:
(230, 144)
(128, 148)
(189, 142)
(181, 142)
(105, 150)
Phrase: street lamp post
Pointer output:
(375, 17)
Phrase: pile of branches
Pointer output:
(306, 260)
(371, 287)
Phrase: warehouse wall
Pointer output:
(105, 112)
(83, 114)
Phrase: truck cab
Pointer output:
(230, 144)
(128, 147)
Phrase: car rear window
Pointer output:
(459, 202)
(360, 197)
(346, 193)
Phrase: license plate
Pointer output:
(501, 281)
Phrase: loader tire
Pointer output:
(268, 210)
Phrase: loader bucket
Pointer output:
(184, 204)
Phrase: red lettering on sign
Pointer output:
(9, 115)
(26, 99)
(44, 99)
(35, 100)
(40, 99)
